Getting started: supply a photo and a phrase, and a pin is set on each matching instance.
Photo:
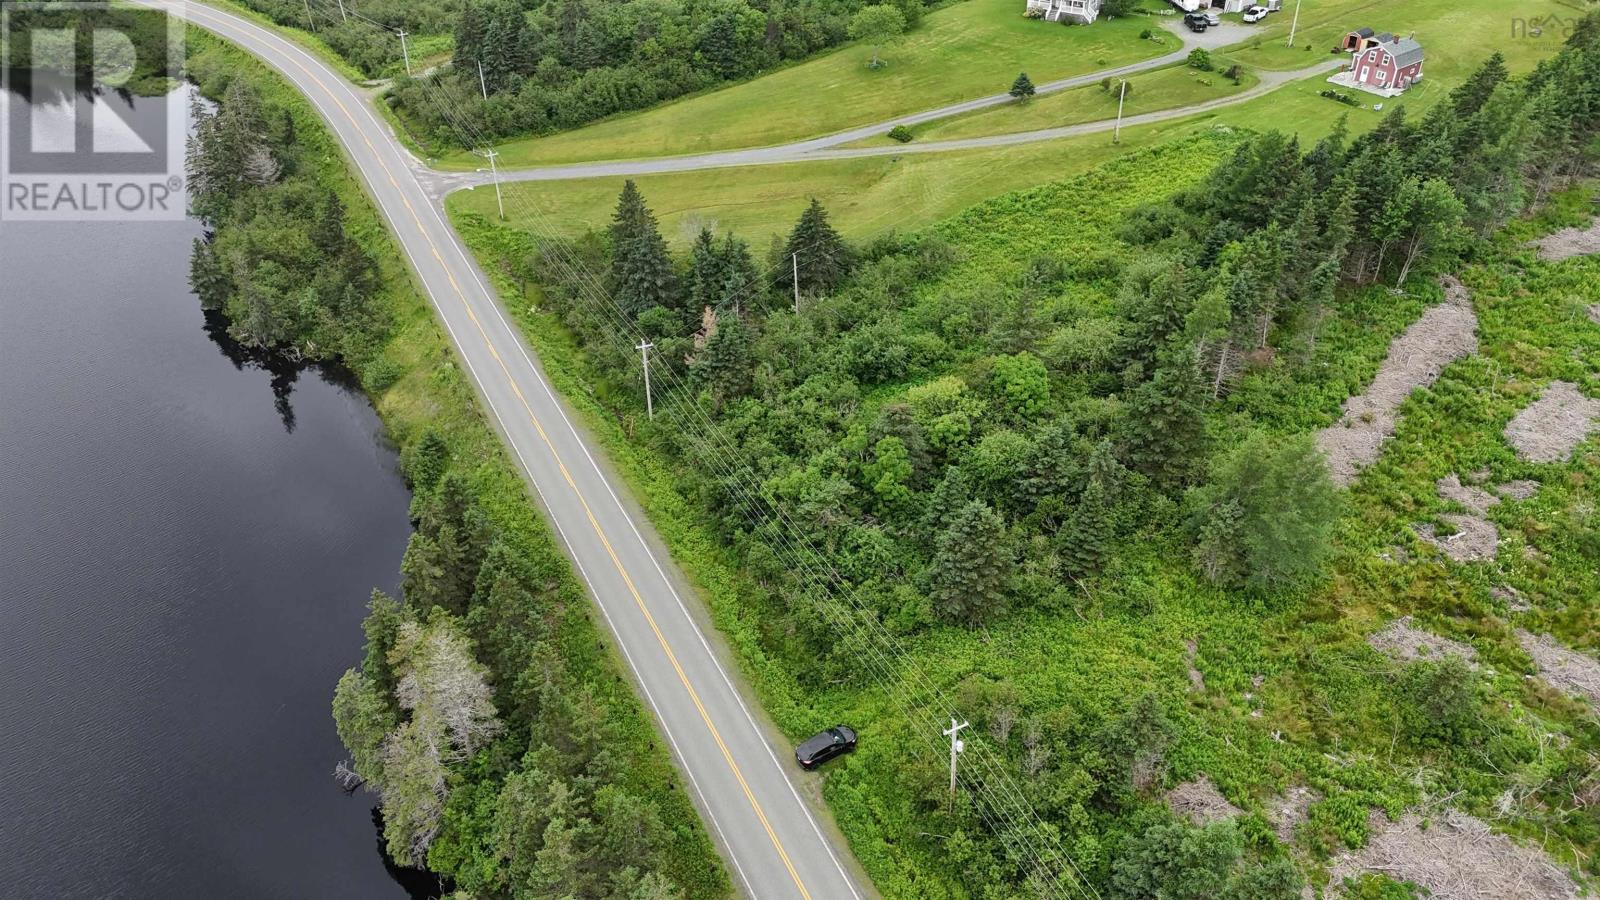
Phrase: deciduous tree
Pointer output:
(877, 25)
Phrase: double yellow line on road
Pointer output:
(611, 552)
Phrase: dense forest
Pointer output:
(506, 751)
(969, 438)
(557, 64)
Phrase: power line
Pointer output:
(998, 798)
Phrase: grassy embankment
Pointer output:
(1326, 711)
(958, 52)
(870, 195)
(411, 375)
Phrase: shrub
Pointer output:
(900, 133)
(1234, 73)
(1144, 35)
(1441, 701)
(1200, 59)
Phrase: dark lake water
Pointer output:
(182, 581)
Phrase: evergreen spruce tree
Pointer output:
(953, 492)
(507, 46)
(1091, 527)
(971, 564)
(1163, 430)
(469, 31)
(724, 367)
(1022, 89)
(1476, 90)
(822, 256)
(740, 279)
(706, 272)
(641, 271)
(207, 277)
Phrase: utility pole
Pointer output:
(644, 349)
(483, 85)
(495, 171)
(404, 50)
(310, 22)
(956, 746)
(1122, 94)
(342, 16)
(1295, 23)
(795, 258)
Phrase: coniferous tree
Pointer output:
(1163, 433)
(820, 254)
(706, 272)
(641, 271)
(469, 32)
(1022, 89)
(724, 366)
(952, 494)
(1090, 528)
(207, 277)
(1473, 93)
(970, 567)
(741, 281)
(507, 43)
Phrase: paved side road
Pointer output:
(827, 148)
(739, 779)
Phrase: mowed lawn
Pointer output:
(1159, 89)
(871, 195)
(1447, 29)
(967, 50)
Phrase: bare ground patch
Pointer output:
(1474, 498)
(1570, 242)
(1566, 669)
(1455, 857)
(1511, 597)
(1445, 333)
(1521, 489)
(1191, 651)
(1200, 802)
(1287, 810)
(1548, 429)
(1594, 313)
(1404, 641)
(1475, 539)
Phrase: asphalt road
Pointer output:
(739, 778)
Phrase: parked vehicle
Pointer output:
(1255, 14)
(825, 745)
(1195, 22)
(1212, 19)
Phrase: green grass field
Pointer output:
(962, 51)
(1160, 89)
(871, 195)
(1450, 32)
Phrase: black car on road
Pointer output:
(825, 745)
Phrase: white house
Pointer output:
(1081, 12)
